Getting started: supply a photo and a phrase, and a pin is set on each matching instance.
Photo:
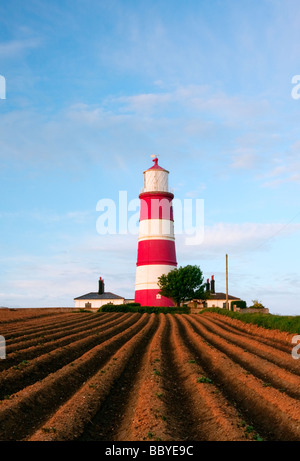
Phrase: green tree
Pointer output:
(183, 284)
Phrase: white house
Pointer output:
(95, 300)
(215, 299)
(219, 300)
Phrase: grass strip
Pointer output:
(287, 323)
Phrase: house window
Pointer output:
(88, 305)
(158, 296)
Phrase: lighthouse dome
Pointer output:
(156, 178)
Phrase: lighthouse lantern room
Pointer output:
(156, 244)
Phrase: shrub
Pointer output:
(109, 307)
(143, 309)
(257, 305)
(241, 304)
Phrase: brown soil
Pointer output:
(127, 377)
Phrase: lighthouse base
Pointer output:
(152, 298)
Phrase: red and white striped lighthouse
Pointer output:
(156, 245)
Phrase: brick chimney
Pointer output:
(101, 286)
(207, 285)
(212, 285)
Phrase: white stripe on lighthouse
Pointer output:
(156, 229)
(147, 276)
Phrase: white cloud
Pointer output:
(284, 168)
(48, 216)
(192, 119)
(145, 103)
(237, 238)
(190, 100)
(74, 266)
(15, 48)
(72, 269)
(244, 159)
(196, 193)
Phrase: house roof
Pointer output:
(221, 296)
(96, 295)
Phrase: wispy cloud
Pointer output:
(181, 117)
(75, 263)
(284, 168)
(15, 48)
(71, 270)
(237, 238)
(48, 216)
(245, 159)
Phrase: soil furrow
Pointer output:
(181, 422)
(50, 330)
(277, 337)
(27, 372)
(110, 418)
(265, 369)
(41, 400)
(145, 377)
(274, 413)
(60, 340)
(275, 344)
(23, 327)
(26, 318)
(145, 414)
(215, 418)
(73, 419)
(280, 353)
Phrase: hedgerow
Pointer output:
(288, 323)
(132, 307)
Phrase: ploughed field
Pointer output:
(132, 377)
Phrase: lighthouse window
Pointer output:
(158, 296)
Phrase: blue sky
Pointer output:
(94, 88)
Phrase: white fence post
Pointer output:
(2, 87)
(2, 347)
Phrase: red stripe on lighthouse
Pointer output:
(156, 205)
(152, 298)
(156, 252)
